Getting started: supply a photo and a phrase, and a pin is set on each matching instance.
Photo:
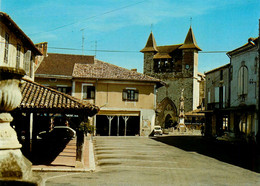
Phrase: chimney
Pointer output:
(134, 69)
(42, 47)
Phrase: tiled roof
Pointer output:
(103, 70)
(6, 19)
(38, 98)
(163, 51)
(190, 41)
(150, 44)
(218, 68)
(61, 64)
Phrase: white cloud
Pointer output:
(148, 12)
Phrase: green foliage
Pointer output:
(86, 127)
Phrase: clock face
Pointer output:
(187, 66)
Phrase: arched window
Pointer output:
(242, 80)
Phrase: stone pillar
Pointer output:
(125, 119)
(13, 165)
(182, 126)
(109, 124)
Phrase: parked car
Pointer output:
(58, 132)
(157, 130)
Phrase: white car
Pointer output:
(157, 130)
(58, 132)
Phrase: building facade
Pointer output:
(177, 66)
(126, 98)
(244, 86)
(17, 50)
(217, 99)
(233, 95)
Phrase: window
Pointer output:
(66, 90)
(18, 55)
(6, 47)
(221, 75)
(242, 80)
(164, 65)
(256, 61)
(88, 92)
(130, 95)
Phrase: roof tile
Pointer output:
(41, 98)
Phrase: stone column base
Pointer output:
(13, 165)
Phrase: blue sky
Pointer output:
(122, 25)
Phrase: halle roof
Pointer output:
(6, 19)
(103, 70)
(38, 98)
(61, 64)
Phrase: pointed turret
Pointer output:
(150, 44)
(190, 41)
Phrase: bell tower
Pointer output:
(149, 51)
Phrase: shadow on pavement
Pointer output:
(239, 154)
(46, 151)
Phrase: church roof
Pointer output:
(190, 41)
(150, 44)
(163, 51)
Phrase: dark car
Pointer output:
(58, 132)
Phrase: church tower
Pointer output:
(177, 66)
(149, 51)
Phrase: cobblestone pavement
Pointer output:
(144, 161)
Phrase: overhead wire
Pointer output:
(91, 17)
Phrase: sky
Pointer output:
(116, 30)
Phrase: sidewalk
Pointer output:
(66, 160)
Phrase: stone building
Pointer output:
(177, 65)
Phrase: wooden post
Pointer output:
(80, 141)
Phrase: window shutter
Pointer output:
(136, 96)
(27, 60)
(240, 83)
(92, 93)
(216, 94)
(245, 80)
(209, 97)
(224, 96)
(124, 95)
(84, 92)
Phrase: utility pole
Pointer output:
(82, 40)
